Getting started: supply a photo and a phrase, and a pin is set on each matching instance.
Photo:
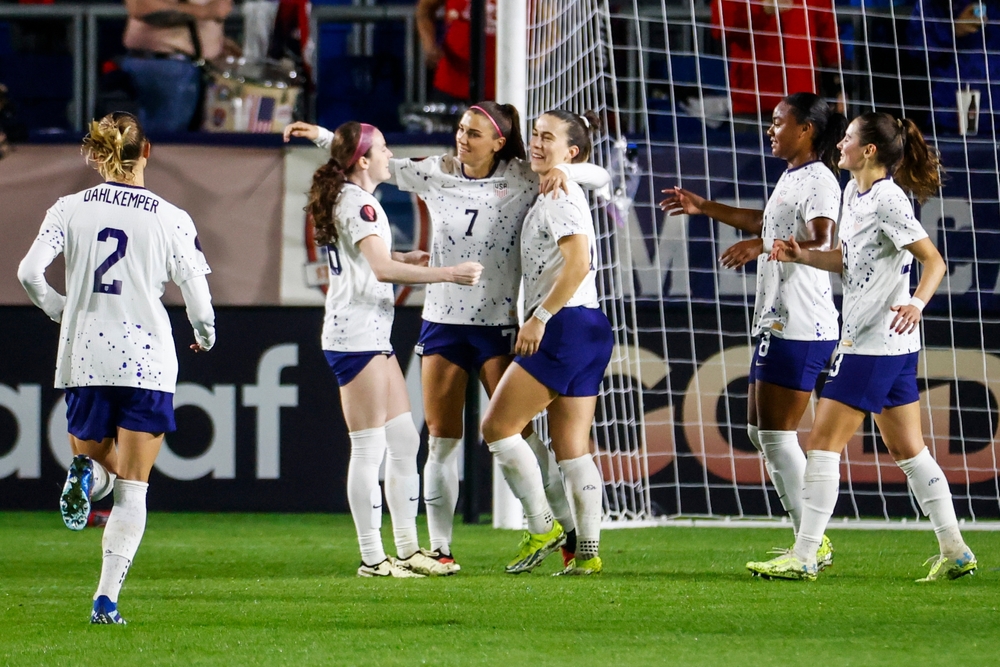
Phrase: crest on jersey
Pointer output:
(500, 189)
(368, 213)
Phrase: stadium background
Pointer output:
(259, 417)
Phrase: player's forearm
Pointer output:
(745, 219)
(399, 273)
(586, 175)
(825, 260)
(201, 314)
(31, 274)
(933, 270)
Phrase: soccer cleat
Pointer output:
(824, 555)
(785, 566)
(568, 557)
(422, 562)
(387, 568)
(446, 558)
(534, 548)
(105, 612)
(582, 567)
(74, 503)
(943, 567)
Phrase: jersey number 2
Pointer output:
(115, 286)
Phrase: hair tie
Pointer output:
(364, 143)
(488, 116)
(899, 123)
(586, 123)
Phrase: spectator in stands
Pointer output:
(962, 45)
(777, 47)
(166, 40)
(451, 56)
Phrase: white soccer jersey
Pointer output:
(548, 221)
(359, 308)
(472, 220)
(795, 302)
(122, 244)
(877, 225)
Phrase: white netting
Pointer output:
(671, 423)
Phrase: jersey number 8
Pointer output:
(115, 286)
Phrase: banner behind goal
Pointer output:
(671, 421)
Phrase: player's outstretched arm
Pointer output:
(388, 270)
(300, 129)
(201, 315)
(31, 273)
(792, 251)
(586, 175)
(684, 201)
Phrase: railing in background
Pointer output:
(84, 21)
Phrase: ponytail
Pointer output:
(328, 181)
(901, 149)
(114, 145)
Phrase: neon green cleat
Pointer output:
(785, 566)
(824, 555)
(943, 567)
(534, 548)
(582, 567)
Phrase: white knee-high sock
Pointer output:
(819, 498)
(753, 433)
(786, 463)
(122, 536)
(363, 492)
(402, 483)
(441, 489)
(520, 469)
(555, 488)
(587, 489)
(104, 482)
(930, 487)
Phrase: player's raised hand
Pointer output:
(300, 129)
(553, 182)
(739, 254)
(466, 273)
(681, 201)
(786, 251)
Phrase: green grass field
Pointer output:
(281, 590)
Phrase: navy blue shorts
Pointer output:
(468, 346)
(347, 365)
(95, 413)
(574, 353)
(873, 383)
(793, 364)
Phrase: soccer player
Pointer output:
(477, 201)
(350, 222)
(795, 318)
(116, 357)
(563, 351)
(875, 370)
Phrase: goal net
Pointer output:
(686, 99)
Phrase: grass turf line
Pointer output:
(237, 589)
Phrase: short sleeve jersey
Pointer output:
(877, 226)
(122, 244)
(473, 220)
(794, 301)
(359, 308)
(548, 221)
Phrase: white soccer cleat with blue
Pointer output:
(105, 612)
(74, 503)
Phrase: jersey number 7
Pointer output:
(115, 286)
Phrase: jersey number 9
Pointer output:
(115, 286)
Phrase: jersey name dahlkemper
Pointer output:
(124, 198)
